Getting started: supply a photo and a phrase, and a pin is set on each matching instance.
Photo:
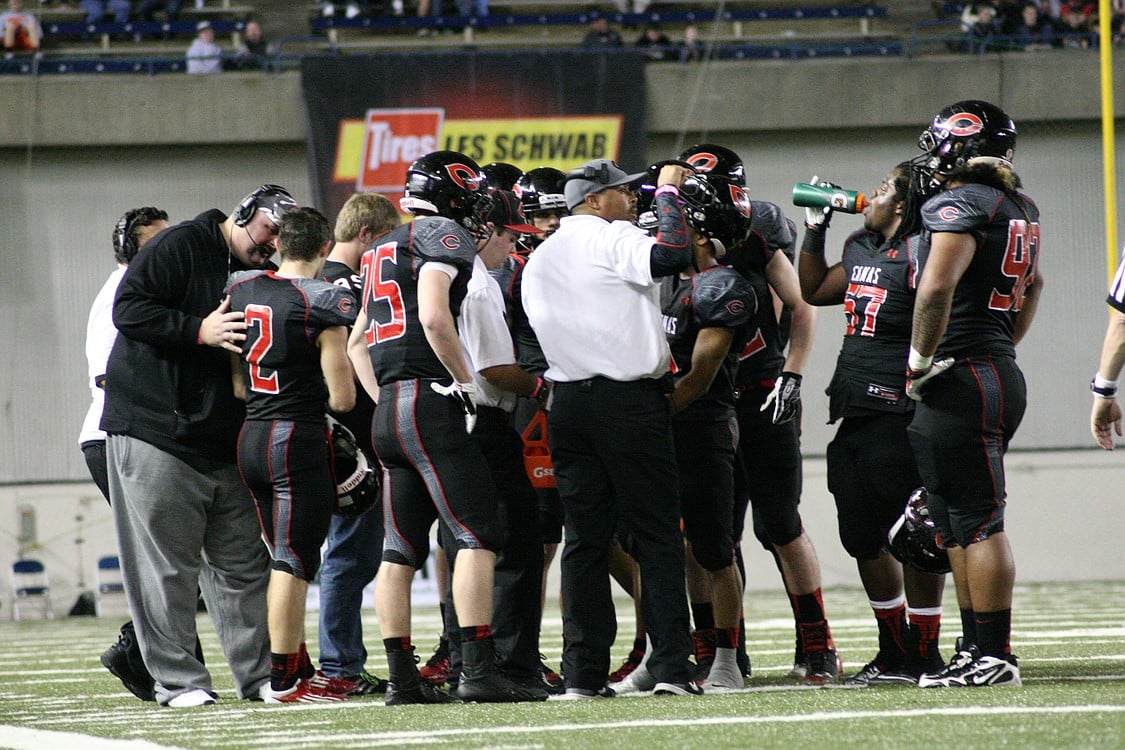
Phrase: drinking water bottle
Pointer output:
(838, 199)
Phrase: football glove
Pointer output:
(465, 396)
(785, 398)
(915, 379)
(819, 218)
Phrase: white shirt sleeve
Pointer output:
(484, 332)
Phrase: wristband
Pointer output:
(1103, 388)
(919, 362)
(667, 189)
(539, 384)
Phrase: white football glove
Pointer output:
(465, 395)
(914, 384)
(818, 218)
(785, 397)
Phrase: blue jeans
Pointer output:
(351, 559)
(478, 8)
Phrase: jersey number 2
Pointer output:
(376, 288)
(262, 317)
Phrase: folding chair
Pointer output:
(107, 581)
(29, 580)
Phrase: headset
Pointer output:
(124, 242)
(244, 212)
(598, 174)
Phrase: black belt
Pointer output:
(664, 383)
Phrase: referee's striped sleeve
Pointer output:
(1116, 297)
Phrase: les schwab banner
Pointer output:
(370, 117)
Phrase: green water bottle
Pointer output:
(838, 199)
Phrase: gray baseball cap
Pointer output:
(594, 177)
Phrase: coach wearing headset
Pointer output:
(592, 295)
(183, 514)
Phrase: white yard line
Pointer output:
(22, 738)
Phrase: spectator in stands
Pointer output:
(655, 43)
(21, 29)
(1075, 31)
(429, 8)
(171, 9)
(692, 48)
(478, 8)
(204, 56)
(601, 35)
(982, 34)
(638, 6)
(1033, 32)
(96, 10)
(254, 51)
(1117, 22)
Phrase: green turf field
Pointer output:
(1069, 637)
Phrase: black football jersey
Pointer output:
(1006, 229)
(763, 355)
(718, 297)
(280, 358)
(529, 354)
(395, 339)
(358, 420)
(878, 312)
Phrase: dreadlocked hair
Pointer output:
(908, 193)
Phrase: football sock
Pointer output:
(703, 615)
(968, 627)
(890, 616)
(284, 670)
(927, 621)
(994, 633)
(727, 637)
(476, 633)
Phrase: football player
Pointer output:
(355, 542)
(871, 469)
(977, 295)
(293, 364)
(707, 322)
(405, 349)
(768, 472)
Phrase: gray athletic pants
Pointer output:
(178, 527)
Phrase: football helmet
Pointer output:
(716, 162)
(500, 175)
(719, 209)
(358, 486)
(541, 189)
(970, 131)
(446, 183)
(913, 539)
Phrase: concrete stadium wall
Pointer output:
(1064, 520)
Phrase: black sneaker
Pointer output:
(822, 667)
(123, 660)
(481, 680)
(875, 673)
(677, 688)
(420, 692)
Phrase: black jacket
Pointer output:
(162, 385)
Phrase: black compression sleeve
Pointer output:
(672, 252)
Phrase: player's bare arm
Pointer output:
(786, 285)
(337, 370)
(512, 378)
(437, 323)
(711, 347)
(360, 359)
(950, 255)
(1105, 415)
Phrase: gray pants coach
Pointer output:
(179, 527)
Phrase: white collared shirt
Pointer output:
(484, 335)
(590, 297)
